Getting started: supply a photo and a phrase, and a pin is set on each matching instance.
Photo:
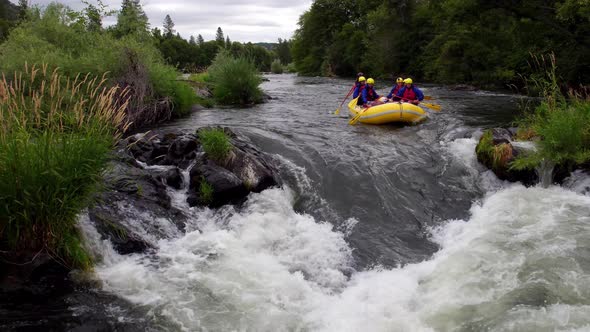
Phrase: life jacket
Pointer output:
(358, 91)
(409, 94)
(371, 94)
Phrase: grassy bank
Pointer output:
(54, 145)
(235, 81)
(62, 38)
(561, 124)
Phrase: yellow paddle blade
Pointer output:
(428, 98)
(353, 102)
(434, 107)
(337, 111)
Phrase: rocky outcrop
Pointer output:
(496, 152)
(148, 167)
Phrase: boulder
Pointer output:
(226, 186)
(496, 152)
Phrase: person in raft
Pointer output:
(392, 96)
(369, 96)
(360, 86)
(410, 93)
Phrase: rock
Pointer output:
(182, 151)
(124, 240)
(173, 178)
(266, 97)
(495, 151)
(252, 170)
(226, 186)
(513, 131)
(501, 135)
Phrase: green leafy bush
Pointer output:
(215, 143)
(235, 80)
(56, 37)
(276, 67)
(54, 145)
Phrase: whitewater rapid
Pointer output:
(520, 262)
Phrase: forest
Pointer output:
(487, 43)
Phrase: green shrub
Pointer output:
(235, 80)
(291, 68)
(276, 67)
(200, 77)
(561, 122)
(54, 37)
(216, 143)
(205, 191)
(54, 145)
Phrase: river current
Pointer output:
(378, 228)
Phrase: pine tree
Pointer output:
(93, 15)
(200, 40)
(219, 37)
(192, 41)
(227, 42)
(168, 27)
(131, 19)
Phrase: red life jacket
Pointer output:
(396, 89)
(370, 94)
(409, 94)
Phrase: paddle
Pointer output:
(355, 119)
(433, 107)
(348, 95)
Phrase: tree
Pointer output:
(131, 19)
(200, 40)
(227, 42)
(168, 27)
(23, 8)
(283, 51)
(219, 39)
(93, 18)
(192, 41)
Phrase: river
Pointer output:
(378, 228)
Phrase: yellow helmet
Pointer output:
(399, 80)
(362, 79)
(408, 81)
(370, 81)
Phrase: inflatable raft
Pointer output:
(388, 113)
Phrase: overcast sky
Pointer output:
(242, 20)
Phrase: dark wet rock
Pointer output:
(495, 151)
(226, 186)
(245, 170)
(173, 178)
(500, 136)
(513, 131)
(266, 97)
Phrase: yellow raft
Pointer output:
(388, 113)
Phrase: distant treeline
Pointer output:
(449, 41)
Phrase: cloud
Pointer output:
(241, 20)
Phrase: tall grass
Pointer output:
(56, 134)
(235, 80)
(216, 143)
(55, 37)
(562, 122)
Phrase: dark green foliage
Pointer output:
(235, 80)
(53, 149)
(276, 67)
(467, 41)
(168, 27)
(216, 144)
(8, 18)
(75, 47)
(131, 20)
